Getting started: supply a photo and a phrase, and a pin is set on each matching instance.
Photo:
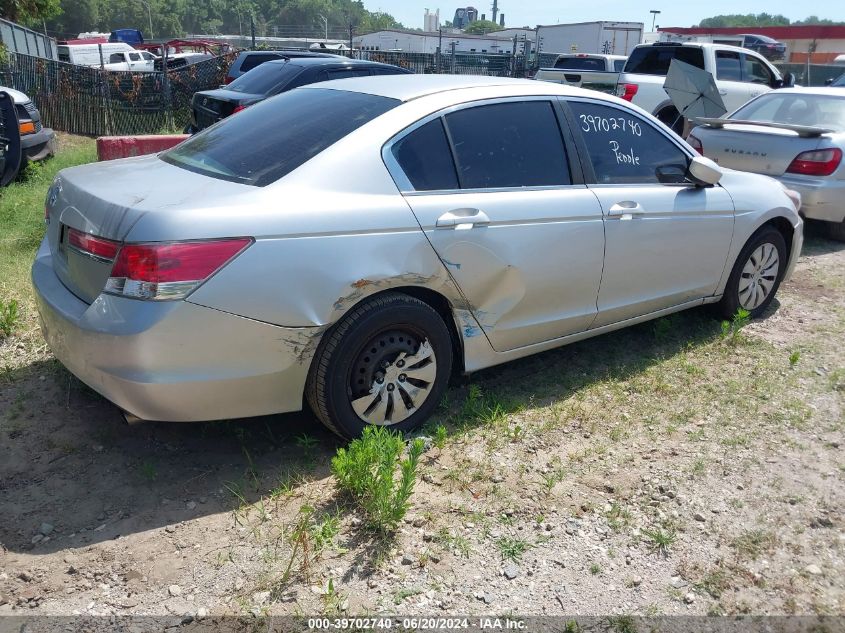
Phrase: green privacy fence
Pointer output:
(95, 102)
(812, 74)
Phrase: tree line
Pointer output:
(762, 19)
(65, 19)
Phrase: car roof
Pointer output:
(282, 52)
(325, 61)
(409, 87)
(835, 91)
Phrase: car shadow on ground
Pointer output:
(70, 461)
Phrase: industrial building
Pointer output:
(821, 43)
(422, 42)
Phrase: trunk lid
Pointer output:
(106, 200)
(761, 150)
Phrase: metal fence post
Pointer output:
(168, 97)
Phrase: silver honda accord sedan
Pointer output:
(353, 243)
(796, 135)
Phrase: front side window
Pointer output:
(625, 149)
(756, 71)
(516, 144)
(270, 139)
(135, 57)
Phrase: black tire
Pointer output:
(344, 348)
(730, 303)
(836, 230)
(671, 118)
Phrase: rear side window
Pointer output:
(265, 79)
(426, 159)
(625, 149)
(251, 61)
(655, 60)
(728, 66)
(618, 65)
(508, 145)
(271, 139)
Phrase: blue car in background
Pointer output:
(130, 36)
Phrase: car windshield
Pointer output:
(655, 60)
(269, 140)
(580, 63)
(840, 81)
(795, 108)
(263, 79)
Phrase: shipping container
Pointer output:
(609, 38)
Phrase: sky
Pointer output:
(673, 13)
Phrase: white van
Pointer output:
(89, 54)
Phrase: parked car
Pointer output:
(37, 142)
(247, 60)
(769, 48)
(10, 140)
(796, 136)
(839, 82)
(739, 75)
(582, 70)
(350, 243)
(274, 77)
(91, 54)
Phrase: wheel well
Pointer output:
(784, 227)
(442, 306)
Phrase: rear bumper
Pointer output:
(821, 199)
(40, 145)
(173, 361)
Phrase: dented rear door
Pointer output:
(523, 240)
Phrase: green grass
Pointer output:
(22, 227)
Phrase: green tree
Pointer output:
(481, 27)
(29, 12)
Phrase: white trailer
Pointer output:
(608, 38)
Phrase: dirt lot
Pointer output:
(660, 470)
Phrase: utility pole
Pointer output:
(654, 14)
(439, 48)
(252, 29)
(351, 31)
(495, 9)
(326, 24)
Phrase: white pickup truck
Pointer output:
(739, 74)
(584, 70)
(133, 61)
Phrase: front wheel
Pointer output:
(756, 275)
(386, 363)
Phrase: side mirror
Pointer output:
(788, 81)
(10, 140)
(703, 172)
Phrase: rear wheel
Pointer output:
(756, 275)
(385, 363)
(836, 230)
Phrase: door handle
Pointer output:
(625, 210)
(723, 92)
(462, 218)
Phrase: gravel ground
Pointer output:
(661, 470)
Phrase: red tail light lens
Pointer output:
(821, 162)
(628, 91)
(90, 245)
(227, 80)
(695, 143)
(239, 108)
(169, 271)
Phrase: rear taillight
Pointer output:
(239, 108)
(820, 162)
(628, 91)
(91, 245)
(227, 80)
(169, 271)
(695, 143)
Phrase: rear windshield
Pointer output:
(256, 59)
(795, 108)
(580, 63)
(263, 79)
(269, 140)
(655, 60)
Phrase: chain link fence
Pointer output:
(95, 102)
